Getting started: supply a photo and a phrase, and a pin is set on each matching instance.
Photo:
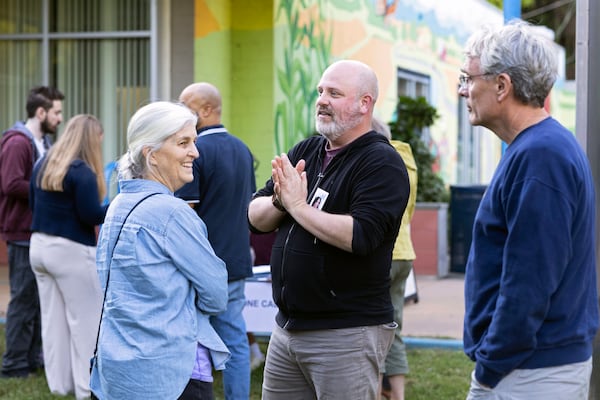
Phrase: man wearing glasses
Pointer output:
(531, 309)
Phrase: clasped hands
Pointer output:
(290, 181)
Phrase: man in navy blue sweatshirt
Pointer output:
(530, 285)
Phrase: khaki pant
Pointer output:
(565, 382)
(328, 364)
(396, 362)
(70, 301)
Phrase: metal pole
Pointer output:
(587, 77)
(154, 50)
(512, 10)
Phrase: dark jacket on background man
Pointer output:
(222, 188)
(18, 151)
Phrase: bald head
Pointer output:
(203, 99)
(357, 75)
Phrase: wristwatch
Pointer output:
(276, 203)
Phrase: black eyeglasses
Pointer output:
(465, 79)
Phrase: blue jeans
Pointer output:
(23, 321)
(231, 327)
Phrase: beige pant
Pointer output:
(565, 382)
(70, 302)
(332, 364)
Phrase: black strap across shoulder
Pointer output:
(108, 274)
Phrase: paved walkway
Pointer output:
(439, 311)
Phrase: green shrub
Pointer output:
(413, 116)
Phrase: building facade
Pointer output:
(266, 56)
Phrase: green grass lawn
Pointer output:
(435, 374)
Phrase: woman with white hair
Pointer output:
(160, 276)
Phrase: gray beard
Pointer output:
(334, 130)
(331, 131)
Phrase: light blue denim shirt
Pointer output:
(165, 280)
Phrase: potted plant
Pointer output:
(429, 226)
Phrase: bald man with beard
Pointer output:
(331, 265)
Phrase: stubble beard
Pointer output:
(47, 128)
(335, 129)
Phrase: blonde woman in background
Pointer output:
(66, 190)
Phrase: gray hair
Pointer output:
(150, 126)
(381, 127)
(517, 50)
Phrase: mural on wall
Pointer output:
(387, 35)
(424, 37)
(279, 53)
(433, 37)
(306, 47)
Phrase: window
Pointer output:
(412, 84)
(99, 53)
(468, 161)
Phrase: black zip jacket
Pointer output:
(319, 286)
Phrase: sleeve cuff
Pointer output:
(486, 376)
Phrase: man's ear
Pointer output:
(205, 111)
(40, 113)
(365, 102)
(504, 86)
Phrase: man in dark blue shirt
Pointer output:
(223, 185)
(531, 306)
